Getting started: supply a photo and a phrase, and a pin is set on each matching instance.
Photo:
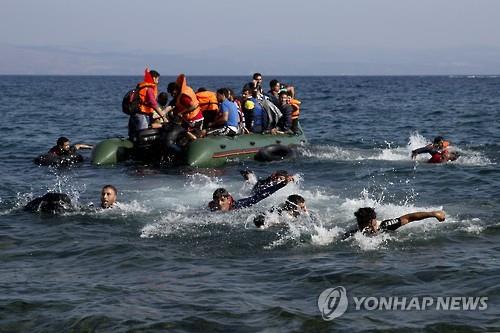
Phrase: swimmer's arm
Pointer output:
(417, 216)
(427, 149)
(349, 234)
(83, 146)
(261, 195)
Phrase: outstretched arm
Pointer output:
(427, 149)
(417, 216)
(83, 146)
(260, 195)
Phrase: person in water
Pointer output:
(369, 225)
(51, 203)
(260, 184)
(63, 147)
(293, 207)
(438, 150)
(108, 196)
(224, 201)
(56, 203)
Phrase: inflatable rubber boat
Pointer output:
(161, 145)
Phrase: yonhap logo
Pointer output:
(332, 303)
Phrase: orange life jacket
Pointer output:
(142, 89)
(188, 91)
(295, 103)
(207, 101)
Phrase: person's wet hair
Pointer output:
(293, 201)
(438, 139)
(111, 187)
(284, 92)
(364, 216)
(220, 193)
(280, 173)
(256, 75)
(62, 140)
(202, 89)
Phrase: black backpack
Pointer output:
(131, 102)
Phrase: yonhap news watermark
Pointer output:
(334, 302)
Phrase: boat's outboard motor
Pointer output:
(171, 147)
(147, 144)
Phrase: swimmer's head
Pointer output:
(365, 217)
(222, 200)
(295, 205)
(438, 141)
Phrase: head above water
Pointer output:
(365, 216)
(440, 142)
(63, 143)
(108, 196)
(279, 175)
(222, 200)
(295, 204)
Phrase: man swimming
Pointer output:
(260, 184)
(369, 225)
(56, 203)
(224, 201)
(293, 207)
(108, 196)
(438, 151)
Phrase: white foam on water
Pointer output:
(392, 153)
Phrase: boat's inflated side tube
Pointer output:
(275, 153)
(56, 160)
(51, 203)
(112, 151)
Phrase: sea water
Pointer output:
(161, 261)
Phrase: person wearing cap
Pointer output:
(224, 201)
(368, 224)
(293, 207)
(438, 151)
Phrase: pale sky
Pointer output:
(337, 37)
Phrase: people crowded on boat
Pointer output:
(63, 147)
(438, 149)
(213, 113)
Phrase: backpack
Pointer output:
(273, 113)
(131, 102)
